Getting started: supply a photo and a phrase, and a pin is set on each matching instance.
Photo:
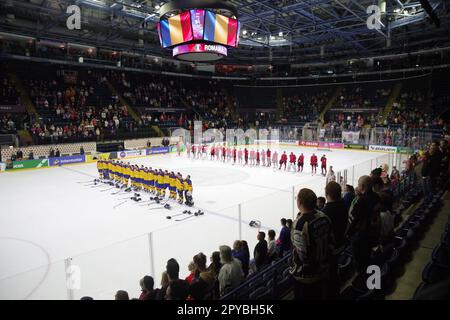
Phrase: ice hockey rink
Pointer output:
(62, 238)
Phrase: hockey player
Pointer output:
(100, 168)
(258, 158)
(240, 156)
(269, 159)
(252, 157)
(234, 155)
(224, 153)
(172, 186)
(263, 158)
(213, 152)
(246, 156)
(166, 182)
(229, 154)
(275, 160)
(180, 189)
(313, 164)
(188, 150)
(187, 186)
(178, 149)
(204, 152)
(292, 159)
(300, 162)
(323, 166)
(283, 160)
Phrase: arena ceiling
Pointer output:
(272, 30)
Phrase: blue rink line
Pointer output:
(198, 208)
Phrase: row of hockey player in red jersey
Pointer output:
(252, 157)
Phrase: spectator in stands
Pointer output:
(191, 276)
(81, 150)
(201, 272)
(19, 155)
(364, 223)
(386, 213)
(435, 164)
(172, 271)
(31, 155)
(86, 298)
(349, 195)
(147, 291)
(57, 153)
(260, 252)
(312, 229)
(246, 255)
(51, 153)
(177, 290)
(284, 239)
(231, 274)
(215, 265)
(271, 247)
(289, 224)
(337, 211)
(122, 295)
(321, 203)
(239, 254)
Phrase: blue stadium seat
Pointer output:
(434, 272)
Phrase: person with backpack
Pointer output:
(364, 223)
(312, 248)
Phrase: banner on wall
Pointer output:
(388, 149)
(66, 160)
(405, 150)
(130, 153)
(304, 143)
(351, 137)
(2, 166)
(29, 164)
(158, 150)
(354, 146)
(331, 145)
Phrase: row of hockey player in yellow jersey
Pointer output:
(155, 181)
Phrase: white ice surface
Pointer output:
(47, 216)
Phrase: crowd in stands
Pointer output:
(360, 217)
(305, 107)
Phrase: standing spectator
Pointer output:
(177, 290)
(321, 203)
(31, 155)
(364, 218)
(122, 295)
(260, 252)
(58, 153)
(337, 211)
(312, 247)
(81, 150)
(215, 265)
(147, 292)
(52, 153)
(272, 247)
(19, 155)
(172, 271)
(239, 254)
(231, 274)
(191, 276)
(349, 195)
(284, 239)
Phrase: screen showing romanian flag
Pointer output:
(221, 29)
(175, 30)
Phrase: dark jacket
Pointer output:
(338, 213)
(364, 215)
(260, 253)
